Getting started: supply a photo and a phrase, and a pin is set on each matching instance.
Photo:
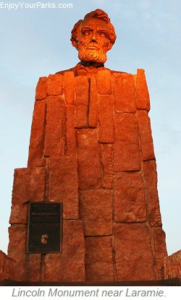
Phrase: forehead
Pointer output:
(98, 23)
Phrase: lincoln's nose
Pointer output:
(94, 35)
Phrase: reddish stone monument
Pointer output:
(91, 148)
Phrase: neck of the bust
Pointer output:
(91, 64)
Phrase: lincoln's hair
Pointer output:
(97, 14)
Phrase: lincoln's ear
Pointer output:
(109, 46)
(74, 43)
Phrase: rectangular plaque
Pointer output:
(45, 227)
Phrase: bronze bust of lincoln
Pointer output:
(92, 37)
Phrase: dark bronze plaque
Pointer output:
(44, 227)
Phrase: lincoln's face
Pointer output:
(94, 41)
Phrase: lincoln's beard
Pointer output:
(92, 55)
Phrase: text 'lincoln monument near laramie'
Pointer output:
(86, 208)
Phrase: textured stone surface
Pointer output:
(81, 101)
(149, 169)
(29, 185)
(160, 250)
(129, 198)
(145, 135)
(93, 106)
(124, 93)
(104, 82)
(126, 146)
(63, 185)
(106, 131)
(55, 85)
(107, 164)
(41, 89)
(70, 264)
(99, 259)
(19, 213)
(70, 148)
(69, 87)
(26, 266)
(55, 127)
(17, 248)
(132, 246)
(172, 266)
(96, 212)
(6, 267)
(33, 269)
(37, 135)
(142, 99)
(89, 166)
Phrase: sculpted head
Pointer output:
(93, 37)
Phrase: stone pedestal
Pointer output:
(172, 266)
(6, 267)
(91, 148)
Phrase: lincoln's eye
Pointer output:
(102, 34)
(86, 32)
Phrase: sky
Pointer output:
(35, 42)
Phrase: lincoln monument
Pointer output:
(86, 208)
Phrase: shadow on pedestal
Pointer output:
(166, 282)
